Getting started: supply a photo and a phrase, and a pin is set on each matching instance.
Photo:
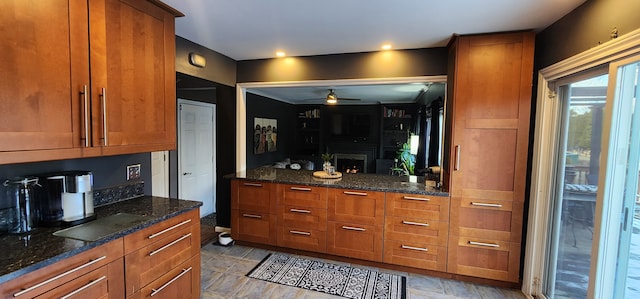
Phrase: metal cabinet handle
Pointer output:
(483, 244)
(490, 205)
(414, 223)
(169, 229)
(158, 290)
(297, 232)
(87, 264)
(252, 216)
(360, 229)
(414, 248)
(355, 193)
(253, 184)
(103, 95)
(85, 96)
(300, 211)
(174, 242)
(457, 165)
(416, 198)
(84, 287)
(300, 189)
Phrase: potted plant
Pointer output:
(326, 157)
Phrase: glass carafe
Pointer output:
(23, 212)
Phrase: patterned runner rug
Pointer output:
(334, 279)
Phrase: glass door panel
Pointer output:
(624, 158)
(569, 256)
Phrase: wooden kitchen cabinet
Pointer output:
(355, 223)
(490, 82)
(161, 250)
(98, 271)
(416, 231)
(253, 211)
(75, 71)
(299, 204)
(181, 282)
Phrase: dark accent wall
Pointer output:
(384, 64)
(107, 171)
(285, 114)
(219, 68)
(584, 28)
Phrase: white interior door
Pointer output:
(160, 174)
(196, 154)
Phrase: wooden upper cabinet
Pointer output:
(40, 94)
(491, 102)
(75, 71)
(133, 75)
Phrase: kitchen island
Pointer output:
(29, 256)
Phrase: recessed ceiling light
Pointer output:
(386, 47)
(281, 54)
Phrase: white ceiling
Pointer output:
(256, 29)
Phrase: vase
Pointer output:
(325, 166)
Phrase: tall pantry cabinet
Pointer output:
(86, 78)
(490, 82)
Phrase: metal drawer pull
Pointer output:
(87, 264)
(355, 193)
(414, 248)
(156, 291)
(300, 211)
(360, 229)
(483, 244)
(84, 287)
(481, 204)
(416, 198)
(457, 165)
(253, 184)
(153, 252)
(86, 115)
(252, 216)
(170, 228)
(105, 131)
(300, 189)
(414, 223)
(297, 232)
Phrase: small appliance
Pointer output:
(21, 217)
(67, 198)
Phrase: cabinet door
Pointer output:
(133, 76)
(44, 70)
(491, 111)
(356, 206)
(355, 240)
(105, 282)
(181, 282)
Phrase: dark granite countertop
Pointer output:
(20, 255)
(359, 181)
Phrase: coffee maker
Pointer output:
(67, 198)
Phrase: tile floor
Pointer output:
(224, 270)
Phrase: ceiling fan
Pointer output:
(332, 98)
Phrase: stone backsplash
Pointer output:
(118, 193)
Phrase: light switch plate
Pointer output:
(133, 172)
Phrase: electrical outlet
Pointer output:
(133, 172)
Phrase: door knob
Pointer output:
(187, 173)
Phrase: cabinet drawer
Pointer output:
(258, 227)
(356, 206)
(253, 196)
(181, 282)
(150, 262)
(104, 282)
(299, 238)
(415, 254)
(47, 278)
(484, 258)
(489, 219)
(418, 206)
(303, 217)
(355, 240)
(416, 230)
(306, 196)
(154, 233)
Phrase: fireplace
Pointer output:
(347, 162)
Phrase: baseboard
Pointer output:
(220, 229)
